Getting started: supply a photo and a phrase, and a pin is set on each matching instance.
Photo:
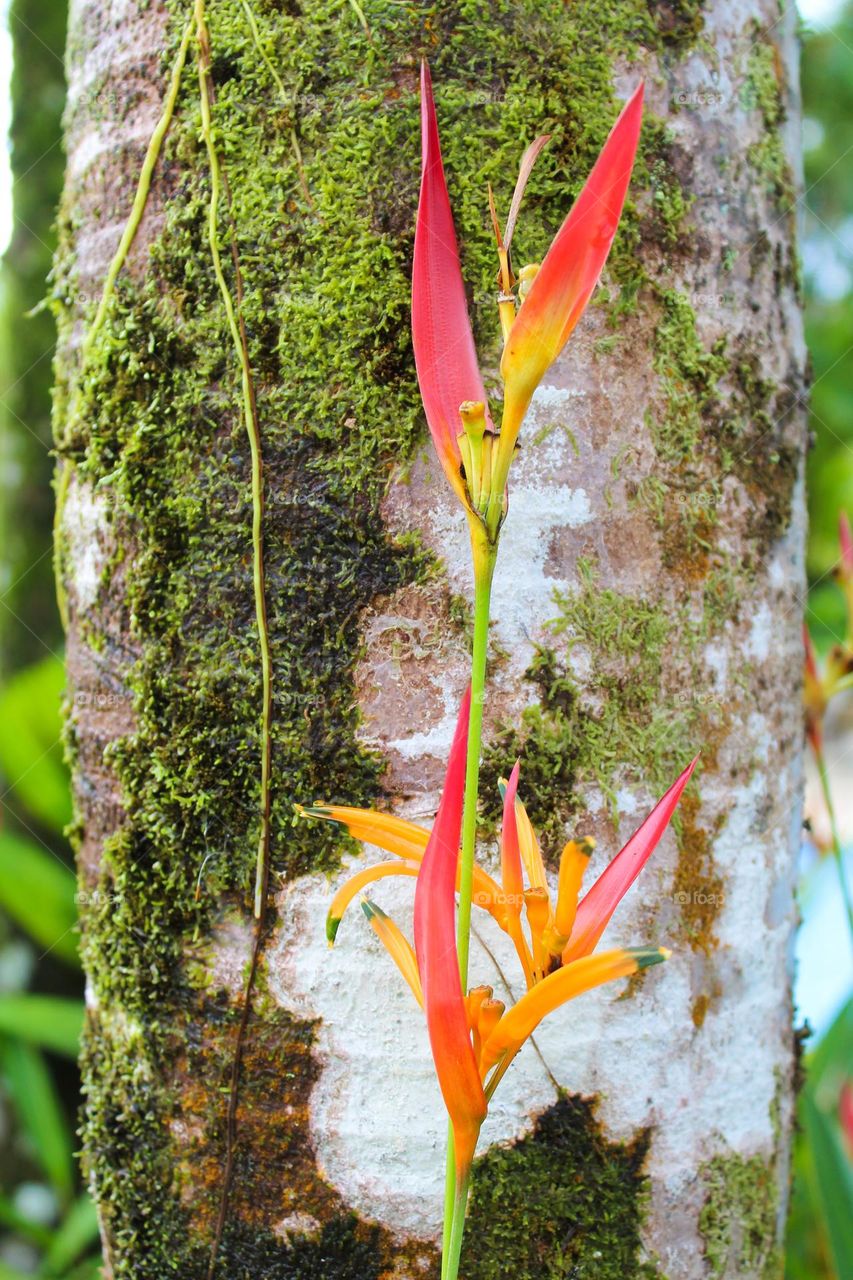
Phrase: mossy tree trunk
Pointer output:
(647, 603)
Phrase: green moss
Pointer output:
(763, 93)
(578, 1203)
(739, 1221)
(157, 429)
(617, 725)
(739, 1218)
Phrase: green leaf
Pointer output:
(38, 892)
(833, 1176)
(77, 1232)
(30, 742)
(50, 1022)
(826, 1164)
(36, 1102)
(9, 1273)
(15, 1221)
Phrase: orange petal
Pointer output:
(397, 945)
(566, 983)
(402, 838)
(573, 863)
(529, 847)
(385, 830)
(350, 888)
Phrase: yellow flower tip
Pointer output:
(538, 908)
(526, 276)
(665, 953)
(491, 1012)
(474, 1001)
(473, 415)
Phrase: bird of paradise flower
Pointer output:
(474, 1037)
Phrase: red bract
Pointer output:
(438, 960)
(598, 905)
(445, 355)
(564, 283)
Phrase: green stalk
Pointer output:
(836, 839)
(449, 1202)
(484, 567)
(450, 1259)
(484, 555)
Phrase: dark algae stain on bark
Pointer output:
(562, 1201)
(322, 168)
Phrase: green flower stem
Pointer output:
(484, 555)
(484, 568)
(836, 839)
(449, 1202)
(451, 1256)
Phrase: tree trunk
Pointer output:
(647, 606)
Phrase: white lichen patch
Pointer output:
(85, 514)
(297, 1224)
(377, 1117)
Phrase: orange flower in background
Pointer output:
(474, 1038)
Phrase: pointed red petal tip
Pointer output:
(438, 959)
(845, 1112)
(811, 660)
(598, 905)
(845, 538)
(511, 877)
(445, 355)
(572, 266)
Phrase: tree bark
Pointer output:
(647, 606)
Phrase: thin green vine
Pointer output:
(137, 210)
(143, 189)
(238, 335)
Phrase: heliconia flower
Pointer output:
(438, 960)
(554, 940)
(445, 355)
(845, 579)
(553, 297)
(814, 694)
(564, 283)
(845, 1114)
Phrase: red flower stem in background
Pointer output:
(823, 773)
